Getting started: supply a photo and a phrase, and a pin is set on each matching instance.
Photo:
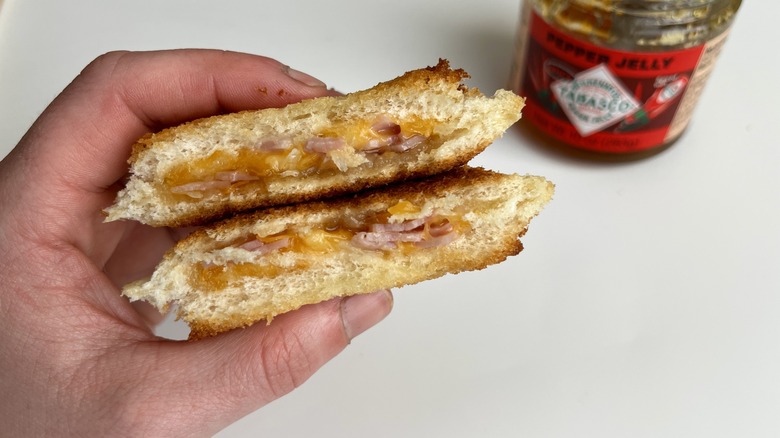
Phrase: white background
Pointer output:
(646, 303)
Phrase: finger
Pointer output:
(139, 250)
(137, 253)
(240, 371)
(151, 316)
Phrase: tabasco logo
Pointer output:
(594, 99)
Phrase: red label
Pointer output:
(602, 99)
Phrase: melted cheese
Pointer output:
(247, 160)
(317, 241)
(216, 277)
(404, 207)
(264, 164)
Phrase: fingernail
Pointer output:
(361, 312)
(304, 78)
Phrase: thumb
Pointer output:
(223, 378)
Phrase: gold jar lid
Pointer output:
(649, 25)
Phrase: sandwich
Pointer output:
(254, 266)
(419, 124)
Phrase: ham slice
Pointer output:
(266, 247)
(221, 180)
(323, 145)
(199, 186)
(441, 240)
(274, 144)
(384, 126)
(440, 229)
(372, 241)
(380, 144)
(425, 232)
(398, 227)
(235, 176)
(407, 144)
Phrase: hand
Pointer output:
(76, 357)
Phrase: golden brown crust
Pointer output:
(421, 78)
(200, 329)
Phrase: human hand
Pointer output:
(76, 357)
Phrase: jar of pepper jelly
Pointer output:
(617, 78)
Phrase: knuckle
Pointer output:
(284, 363)
(106, 62)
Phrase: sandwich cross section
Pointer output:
(255, 266)
(422, 123)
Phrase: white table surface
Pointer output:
(646, 303)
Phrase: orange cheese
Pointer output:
(265, 164)
(216, 277)
(314, 241)
(403, 207)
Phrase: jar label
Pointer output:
(602, 99)
(593, 99)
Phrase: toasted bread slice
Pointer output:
(258, 265)
(419, 124)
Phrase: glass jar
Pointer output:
(616, 77)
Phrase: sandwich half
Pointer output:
(255, 266)
(419, 124)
